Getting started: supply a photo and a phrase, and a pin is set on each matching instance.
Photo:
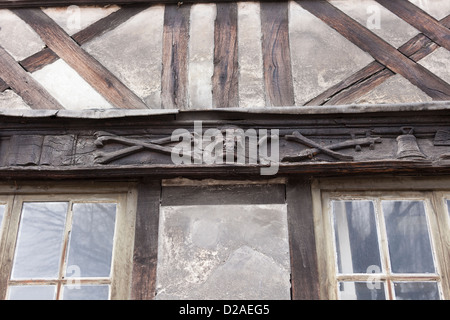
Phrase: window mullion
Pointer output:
(64, 252)
(4, 234)
(384, 248)
(440, 237)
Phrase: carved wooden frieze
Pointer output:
(264, 147)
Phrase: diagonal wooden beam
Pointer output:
(46, 56)
(100, 78)
(366, 79)
(420, 20)
(3, 85)
(374, 74)
(383, 52)
(24, 84)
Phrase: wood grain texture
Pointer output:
(276, 54)
(32, 93)
(375, 73)
(58, 150)
(302, 242)
(384, 53)
(3, 85)
(100, 78)
(174, 77)
(145, 256)
(25, 150)
(223, 195)
(420, 20)
(46, 56)
(226, 69)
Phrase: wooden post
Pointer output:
(302, 243)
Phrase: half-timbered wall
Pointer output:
(351, 97)
(219, 55)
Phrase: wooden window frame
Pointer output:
(434, 192)
(122, 194)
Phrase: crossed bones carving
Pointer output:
(157, 145)
(134, 146)
(316, 148)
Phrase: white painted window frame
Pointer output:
(433, 191)
(123, 194)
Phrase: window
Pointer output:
(384, 244)
(65, 246)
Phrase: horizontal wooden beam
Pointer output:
(329, 169)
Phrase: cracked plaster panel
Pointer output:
(10, 100)
(75, 18)
(201, 55)
(69, 88)
(223, 252)
(320, 56)
(438, 9)
(379, 20)
(17, 37)
(438, 63)
(396, 89)
(133, 53)
(251, 82)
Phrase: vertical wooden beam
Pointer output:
(302, 243)
(276, 54)
(226, 69)
(145, 256)
(175, 57)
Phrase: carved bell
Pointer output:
(407, 146)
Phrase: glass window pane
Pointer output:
(2, 214)
(361, 290)
(37, 292)
(86, 292)
(408, 237)
(356, 237)
(448, 207)
(416, 290)
(39, 242)
(91, 239)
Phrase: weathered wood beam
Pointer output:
(100, 78)
(302, 242)
(145, 255)
(420, 20)
(366, 79)
(226, 69)
(32, 93)
(276, 54)
(174, 87)
(46, 56)
(383, 52)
